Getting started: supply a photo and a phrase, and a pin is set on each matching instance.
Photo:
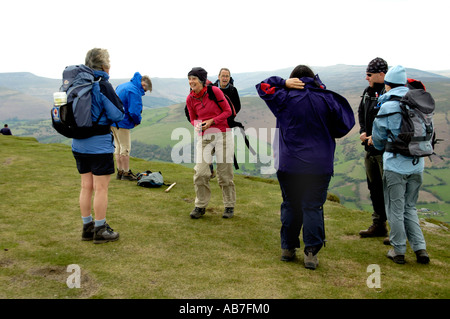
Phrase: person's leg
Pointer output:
(102, 168)
(85, 201)
(202, 175)
(313, 200)
(86, 192)
(394, 188)
(412, 225)
(290, 211)
(123, 157)
(225, 155)
(101, 184)
(374, 176)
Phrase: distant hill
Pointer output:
(25, 96)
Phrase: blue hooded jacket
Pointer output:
(106, 100)
(131, 95)
(393, 162)
(308, 121)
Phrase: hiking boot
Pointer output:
(399, 259)
(128, 176)
(119, 174)
(88, 231)
(288, 254)
(375, 230)
(197, 212)
(311, 261)
(228, 212)
(386, 241)
(422, 256)
(104, 234)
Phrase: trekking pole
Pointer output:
(170, 187)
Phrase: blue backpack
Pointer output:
(74, 119)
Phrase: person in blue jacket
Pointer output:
(131, 94)
(94, 155)
(308, 120)
(401, 177)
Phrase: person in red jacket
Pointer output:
(210, 121)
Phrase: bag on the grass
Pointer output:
(150, 179)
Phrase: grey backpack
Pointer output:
(417, 136)
(150, 179)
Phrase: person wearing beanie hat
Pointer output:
(402, 177)
(210, 120)
(396, 76)
(200, 73)
(373, 161)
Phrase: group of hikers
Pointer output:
(308, 120)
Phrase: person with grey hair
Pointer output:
(94, 155)
(131, 94)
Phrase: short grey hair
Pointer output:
(147, 80)
(97, 59)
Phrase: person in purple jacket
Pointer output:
(308, 119)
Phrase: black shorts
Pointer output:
(97, 164)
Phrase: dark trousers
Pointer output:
(303, 198)
(374, 174)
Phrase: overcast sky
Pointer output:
(167, 38)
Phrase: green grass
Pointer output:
(162, 253)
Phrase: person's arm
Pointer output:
(111, 102)
(274, 92)
(135, 108)
(294, 83)
(361, 119)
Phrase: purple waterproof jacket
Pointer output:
(308, 121)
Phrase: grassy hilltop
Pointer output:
(162, 253)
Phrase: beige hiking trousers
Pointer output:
(222, 144)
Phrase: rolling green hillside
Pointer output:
(164, 254)
(152, 140)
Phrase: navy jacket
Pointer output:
(308, 121)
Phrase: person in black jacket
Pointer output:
(225, 83)
(367, 111)
(5, 130)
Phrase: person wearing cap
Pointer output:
(401, 177)
(131, 94)
(373, 161)
(214, 133)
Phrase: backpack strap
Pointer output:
(212, 96)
